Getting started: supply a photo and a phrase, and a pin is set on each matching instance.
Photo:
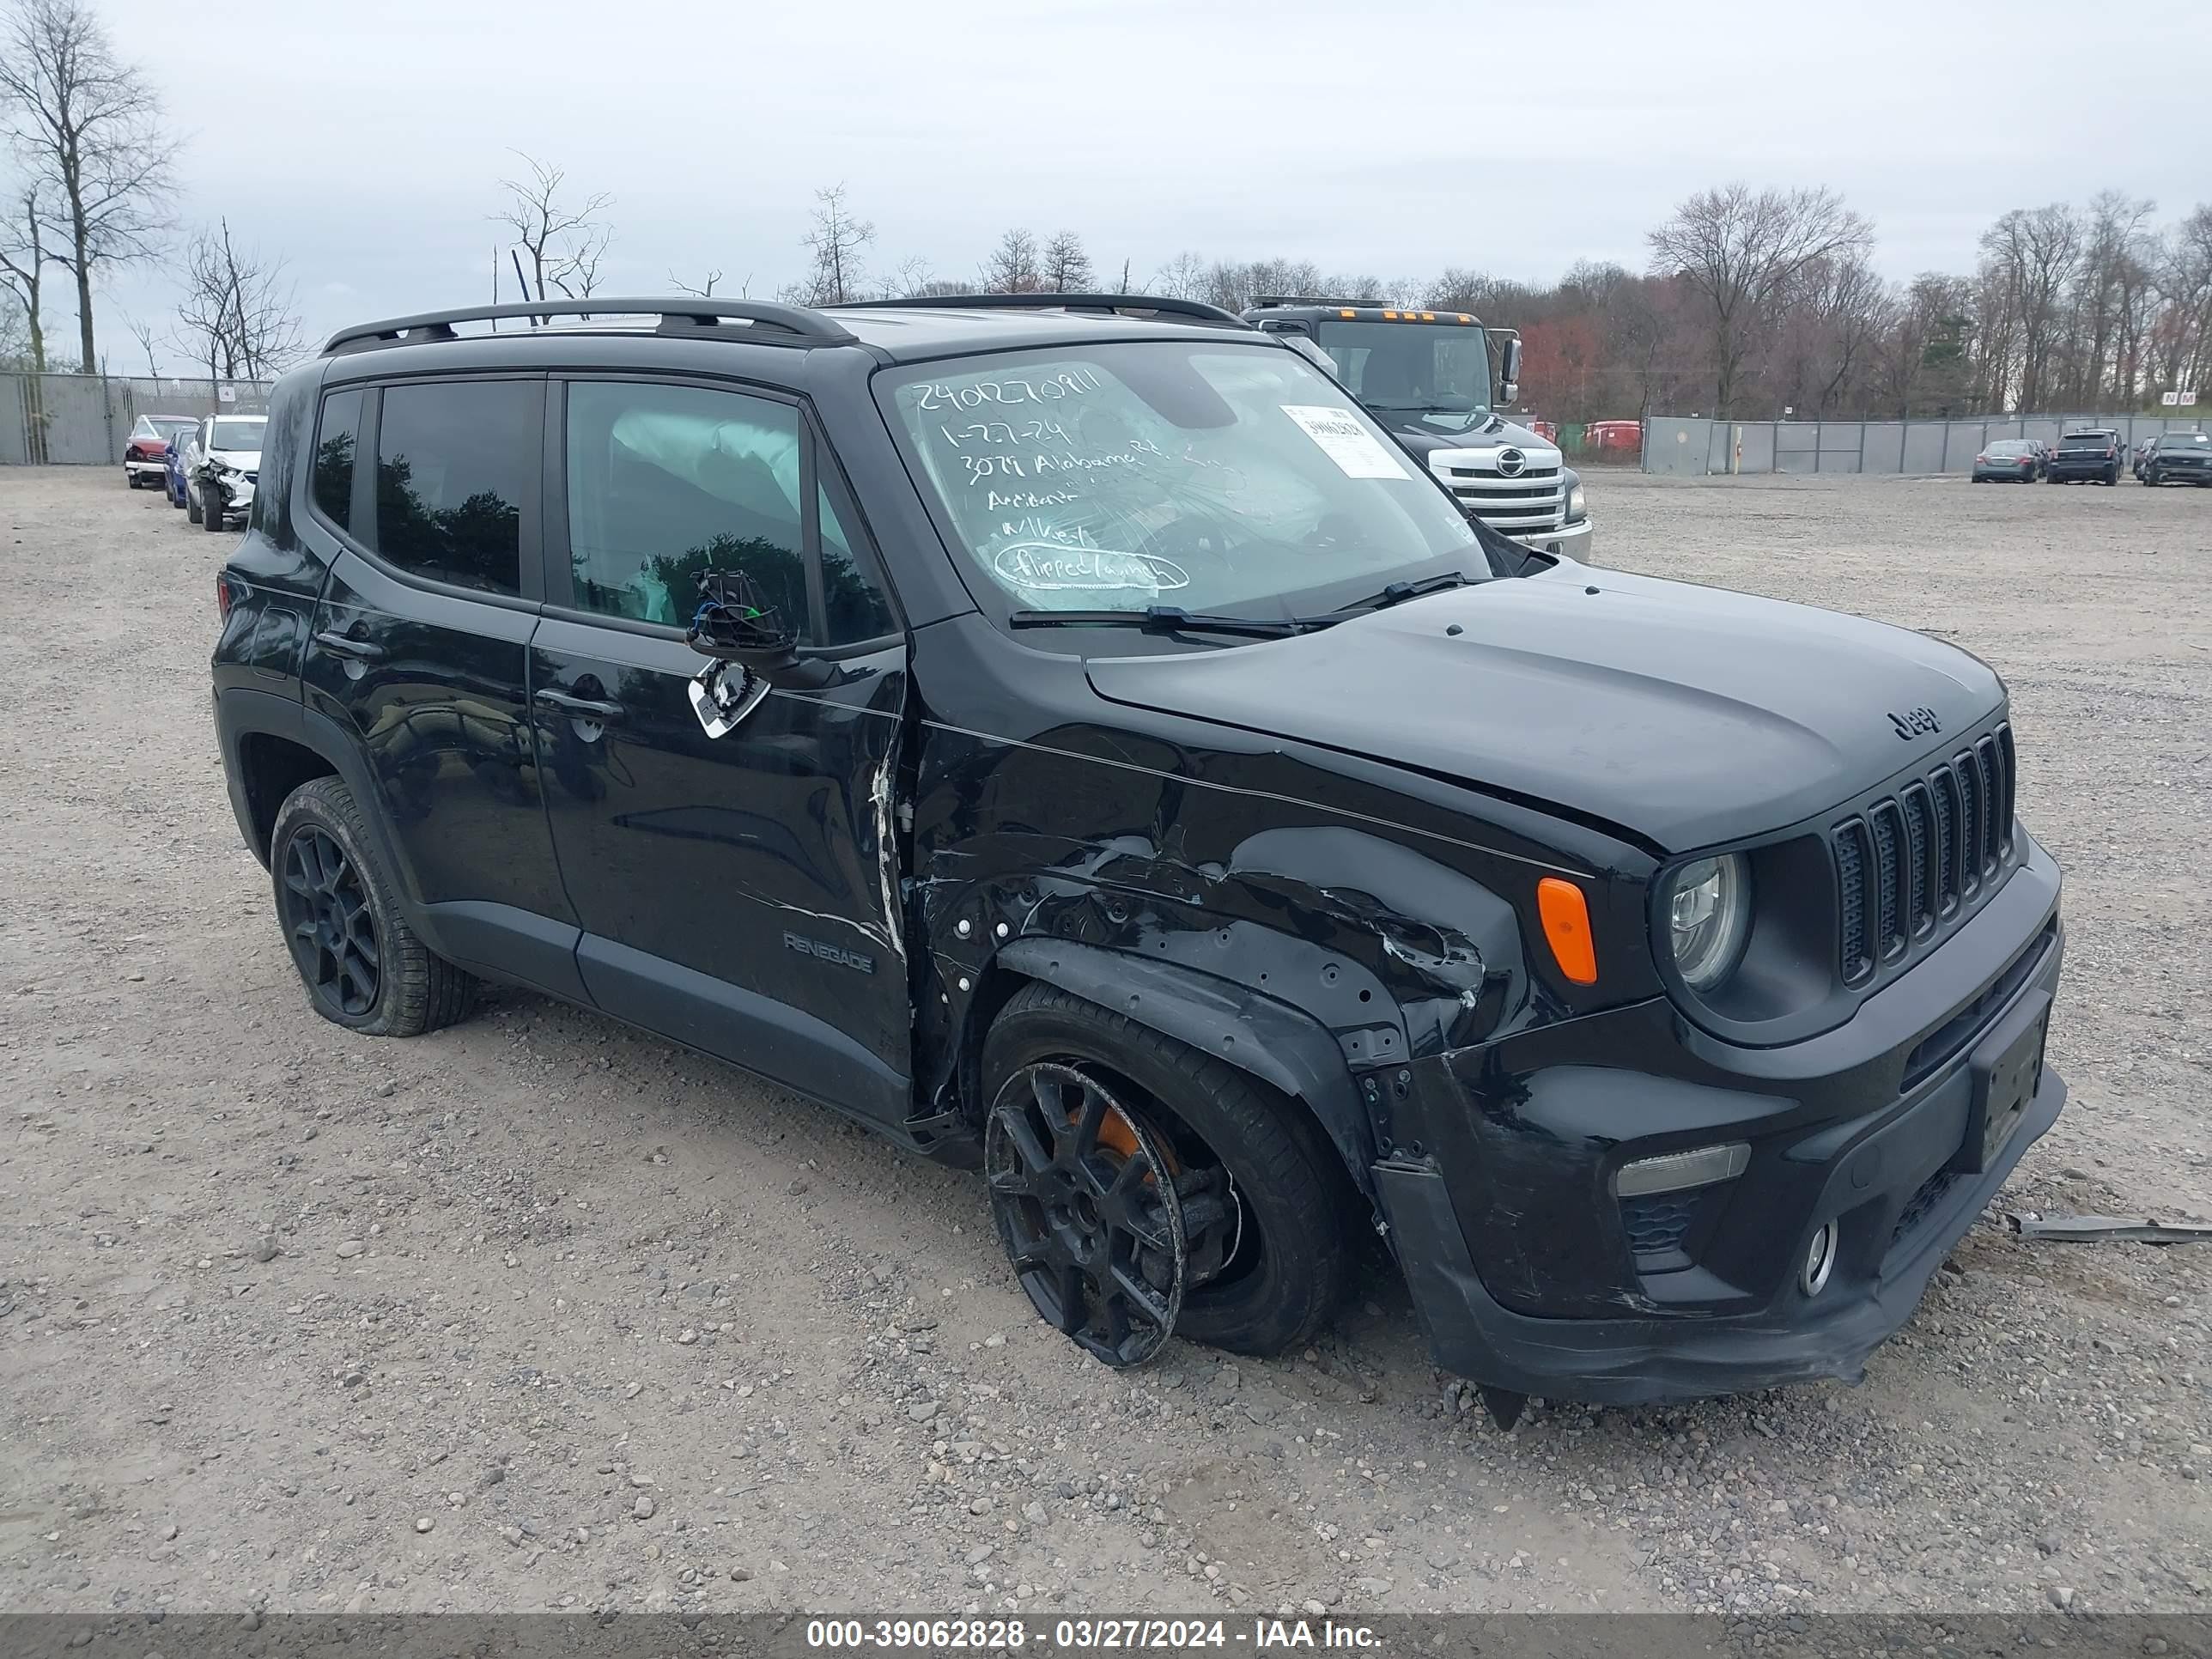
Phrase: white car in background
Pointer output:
(223, 462)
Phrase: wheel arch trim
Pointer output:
(242, 712)
(1284, 1047)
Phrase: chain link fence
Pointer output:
(1694, 446)
(85, 420)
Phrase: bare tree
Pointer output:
(85, 122)
(1182, 278)
(839, 244)
(705, 292)
(1012, 266)
(562, 240)
(143, 331)
(240, 313)
(1066, 266)
(909, 278)
(23, 266)
(1740, 249)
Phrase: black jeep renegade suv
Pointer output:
(1068, 736)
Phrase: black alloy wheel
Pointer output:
(1083, 1197)
(329, 925)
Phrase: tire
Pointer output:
(176, 501)
(414, 990)
(191, 505)
(2153, 479)
(211, 521)
(130, 479)
(1277, 1291)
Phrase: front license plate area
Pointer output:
(2007, 1069)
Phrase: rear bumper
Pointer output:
(1497, 1182)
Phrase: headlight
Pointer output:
(1577, 508)
(1708, 913)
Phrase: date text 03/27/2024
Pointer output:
(1088, 1635)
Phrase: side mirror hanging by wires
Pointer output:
(734, 629)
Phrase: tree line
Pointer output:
(1754, 304)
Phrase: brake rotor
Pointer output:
(1083, 1197)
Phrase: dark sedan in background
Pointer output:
(2015, 460)
(2179, 457)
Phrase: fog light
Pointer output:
(1819, 1260)
(1673, 1172)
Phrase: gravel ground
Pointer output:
(538, 1313)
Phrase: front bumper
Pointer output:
(236, 495)
(1573, 541)
(1497, 1177)
(146, 469)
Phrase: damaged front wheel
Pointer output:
(1266, 1206)
(1086, 1203)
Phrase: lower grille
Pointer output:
(1923, 1204)
(1657, 1222)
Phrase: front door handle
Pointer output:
(344, 645)
(581, 709)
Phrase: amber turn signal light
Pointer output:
(1566, 915)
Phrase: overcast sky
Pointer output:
(363, 142)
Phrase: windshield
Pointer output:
(239, 434)
(2186, 440)
(1438, 373)
(1213, 477)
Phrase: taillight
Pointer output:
(221, 597)
(1979, 460)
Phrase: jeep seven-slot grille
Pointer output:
(1907, 861)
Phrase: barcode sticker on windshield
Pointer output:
(1356, 451)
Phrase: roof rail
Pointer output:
(776, 324)
(1197, 309)
(1260, 300)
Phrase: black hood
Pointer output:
(1687, 715)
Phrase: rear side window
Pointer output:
(666, 481)
(335, 438)
(453, 464)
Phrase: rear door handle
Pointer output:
(344, 645)
(581, 709)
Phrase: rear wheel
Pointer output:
(362, 964)
(1266, 1207)
(191, 505)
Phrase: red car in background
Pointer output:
(144, 455)
(1623, 436)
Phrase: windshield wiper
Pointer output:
(1173, 619)
(1399, 593)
